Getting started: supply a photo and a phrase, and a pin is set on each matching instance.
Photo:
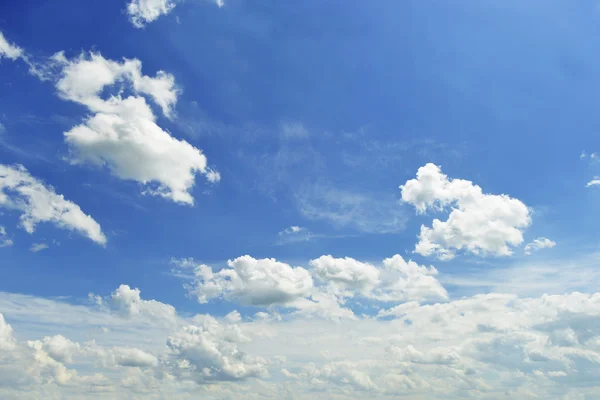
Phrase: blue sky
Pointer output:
(314, 113)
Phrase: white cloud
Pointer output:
(5, 241)
(538, 244)
(220, 3)
(122, 133)
(211, 353)
(142, 12)
(493, 346)
(37, 247)
(9, 50)
(39, 203)
(252, 282)
(478, 223)
(128, 302)
(346, 273)
(395, 280)
(593, 182)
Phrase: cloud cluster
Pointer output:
(40, 203)
(478, 223)
(482, 347)
(122, 133)
(5, 241)
(322, 290)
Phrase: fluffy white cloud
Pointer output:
(5, 241)
(128, 302)
(9, 50)
(39, 203)
(122, 133)
(142, 12)
(538, 244)
(346, 272)
(478, 223)
(210, 353)
(395, 280)
(252, 282)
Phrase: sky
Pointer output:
(322, 199)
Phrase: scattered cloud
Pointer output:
(40, 203)
(122, 133)
(37, 247)
(5, 241)
(538, 244)
(478, 223)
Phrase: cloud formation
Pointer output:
(122, 133)
(478, 223)
(40, 203)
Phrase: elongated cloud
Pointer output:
(478, 223)
(40, 203)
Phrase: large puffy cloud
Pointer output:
(9, 50)
(478, 223)
(395, 280)
(122, 133)
(252, 282)
(40, 203)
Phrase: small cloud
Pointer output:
(5, 241)
(593, 182)
(293, 234)
(538, 244)
(291, 230)
(37, 247)
(220, 3)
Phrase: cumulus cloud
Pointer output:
(395, 280)
(211, 353)
(9, 50)
(122, 133)
(128, 302)
(142, 12)
(40, 203)
(5, 241)
(538, 244)
(478, 223)
(252, 282)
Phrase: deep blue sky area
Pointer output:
(501, 93)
